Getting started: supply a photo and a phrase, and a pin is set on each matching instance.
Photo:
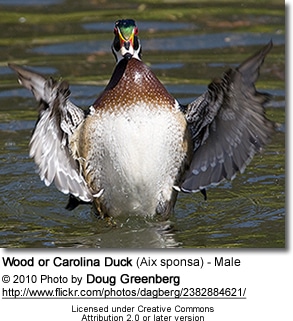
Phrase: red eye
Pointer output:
(115, 31)
(135, 31)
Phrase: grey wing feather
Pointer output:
(228, 125)
(58, 119)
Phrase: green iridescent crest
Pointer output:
(126, 27)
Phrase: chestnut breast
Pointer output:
(134, 83)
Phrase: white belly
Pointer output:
(137, 158)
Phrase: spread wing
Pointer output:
(228, 125)
(58, 119)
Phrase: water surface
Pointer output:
(187, 45)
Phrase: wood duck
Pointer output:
(136, 147)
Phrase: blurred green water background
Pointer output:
(187, 44)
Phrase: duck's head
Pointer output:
(126, 43)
